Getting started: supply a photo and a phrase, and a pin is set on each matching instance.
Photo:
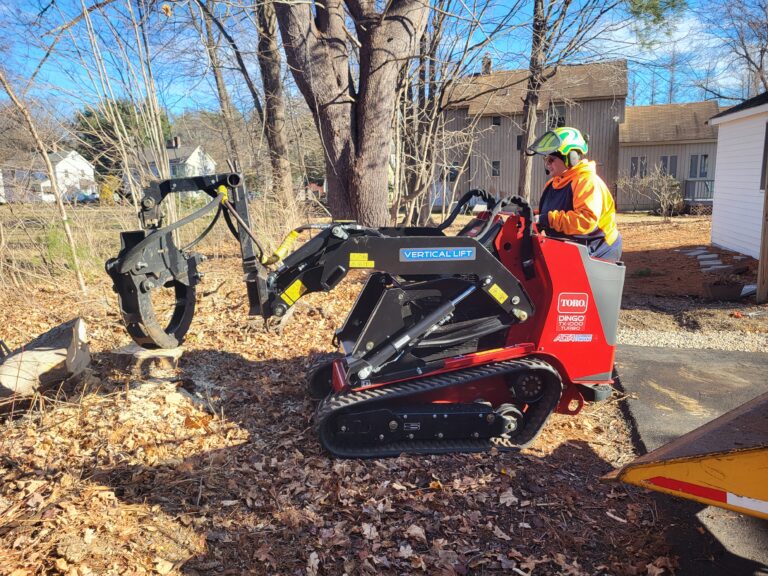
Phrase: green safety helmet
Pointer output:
(562, 141)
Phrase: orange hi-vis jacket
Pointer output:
(579, 205)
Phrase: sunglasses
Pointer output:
(549, 159)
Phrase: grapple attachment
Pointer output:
(149, 259)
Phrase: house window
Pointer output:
(638, 166)
(669, 165)
(453, 172)
(496, 168)
(699, 166)
(555, 116)
(694, 169)
(496, 120)
(703, 165)
(764, 170)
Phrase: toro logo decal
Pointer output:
(572, 302)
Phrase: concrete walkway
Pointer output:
(670, 392)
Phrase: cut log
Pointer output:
(47, 360)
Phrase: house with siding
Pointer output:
(676, 139)
(184, 160)
(590, 97)
(24, 178)
(741, 177)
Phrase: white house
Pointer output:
(740, 175)
(25, 178)
(184, 160)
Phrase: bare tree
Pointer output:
(212, 46)
(741, 27)
(352, 105)
(272, 113)
(42, 150)
(672, 68)
(559, 31)
(427, 148)
(271, 77)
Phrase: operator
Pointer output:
(576, 204)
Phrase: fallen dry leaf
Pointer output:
(313, 564)
(417, 533)
(162, 566)
(508, 498)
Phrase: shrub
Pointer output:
(108, 189)
(661, 189)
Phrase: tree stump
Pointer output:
(144, 363)
(49, 359)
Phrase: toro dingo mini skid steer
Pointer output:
(455, 344)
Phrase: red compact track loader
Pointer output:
(455, 344)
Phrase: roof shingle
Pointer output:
(502, 93)
(668, 123)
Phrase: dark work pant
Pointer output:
(606, 252)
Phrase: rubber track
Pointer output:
(342, 402)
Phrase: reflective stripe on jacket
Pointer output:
(579, 205)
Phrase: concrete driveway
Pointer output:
(670, 392)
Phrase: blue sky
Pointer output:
(68, 80)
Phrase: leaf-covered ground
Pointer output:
(214, 468)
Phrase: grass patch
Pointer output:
(645, 273)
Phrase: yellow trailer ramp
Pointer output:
(723, 463)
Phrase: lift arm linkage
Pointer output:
(327, 258)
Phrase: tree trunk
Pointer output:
(355, 126)
(531, 103)
(274, 102)
(530, 111)
(317, 55)
(221, 88)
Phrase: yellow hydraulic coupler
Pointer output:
(723, 463)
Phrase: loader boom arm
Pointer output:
(149, 259)
(324, 261)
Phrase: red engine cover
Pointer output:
(567, 327)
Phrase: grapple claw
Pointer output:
(157, 263)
